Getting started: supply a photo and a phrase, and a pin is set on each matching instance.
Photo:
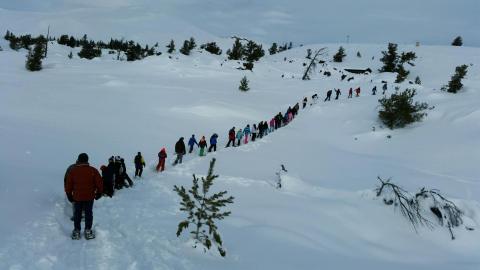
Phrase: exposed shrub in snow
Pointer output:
(203, 210)
(171, 46)
(248, 66)
(399, 110)
(273, 49)
(455, 83)
(417, 80)
(338, 57)
(244, 84)
(186, 48)
(212, 48)
(359, 55)
(90, 51)
(70, 55)
(34, 57)
(458, 41)
(425, 208)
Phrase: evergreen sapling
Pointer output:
(203, 210)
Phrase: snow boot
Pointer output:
(89, 234)
(76, 235)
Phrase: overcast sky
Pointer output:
(434, 22)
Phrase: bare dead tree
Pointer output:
(393, 194)
(415, 208)
(446, 211)
(313, 63)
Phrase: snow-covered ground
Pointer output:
(325, 216)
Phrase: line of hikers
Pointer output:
(83, 183)
(350, 92)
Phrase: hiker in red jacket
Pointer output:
(162, 156)
(231, 137)
(83, 185)
(357, 92)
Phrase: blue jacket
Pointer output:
(246, 131)
(192, 141)
(213, 139)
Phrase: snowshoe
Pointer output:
(89, 234)
(76, 235)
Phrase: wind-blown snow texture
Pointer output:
(325, 216)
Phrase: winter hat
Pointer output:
(82, 158)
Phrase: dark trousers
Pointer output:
(87, 207)
(191, 149)
(212, 146)
(327, 98)
(108, 187)
(178, 159)
(230, 141)
(138, 171)
(254, 136)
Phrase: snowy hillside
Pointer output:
(325, 216)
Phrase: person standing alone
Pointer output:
(139, 164)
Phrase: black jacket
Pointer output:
(180, 147)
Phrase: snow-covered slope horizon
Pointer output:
(325, 215)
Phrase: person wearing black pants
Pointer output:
(86, 207)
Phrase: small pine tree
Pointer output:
(186, 48)
(402, 74)
(418, 81)
(34, 57)
(338, 57)
(191, 44)
(389, 58)
(398, 110)
(236, 53)
(253, 51)
(359, 55)
(273, 49)
(203, 210)
(171, 46)
(458, 41)
(455, 83)
(244, 84)
(70, 55)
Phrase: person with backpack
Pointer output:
(337, 93)
(374, 90)
(213, 143)
(329, 94)
(180, 151)
(191, 142)
(231, 137)
(162, 156)
(384, 87)
(139, 164)
(246, 133)
(203, 145)
(357, 92)
(83, 185)
(350, 93)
